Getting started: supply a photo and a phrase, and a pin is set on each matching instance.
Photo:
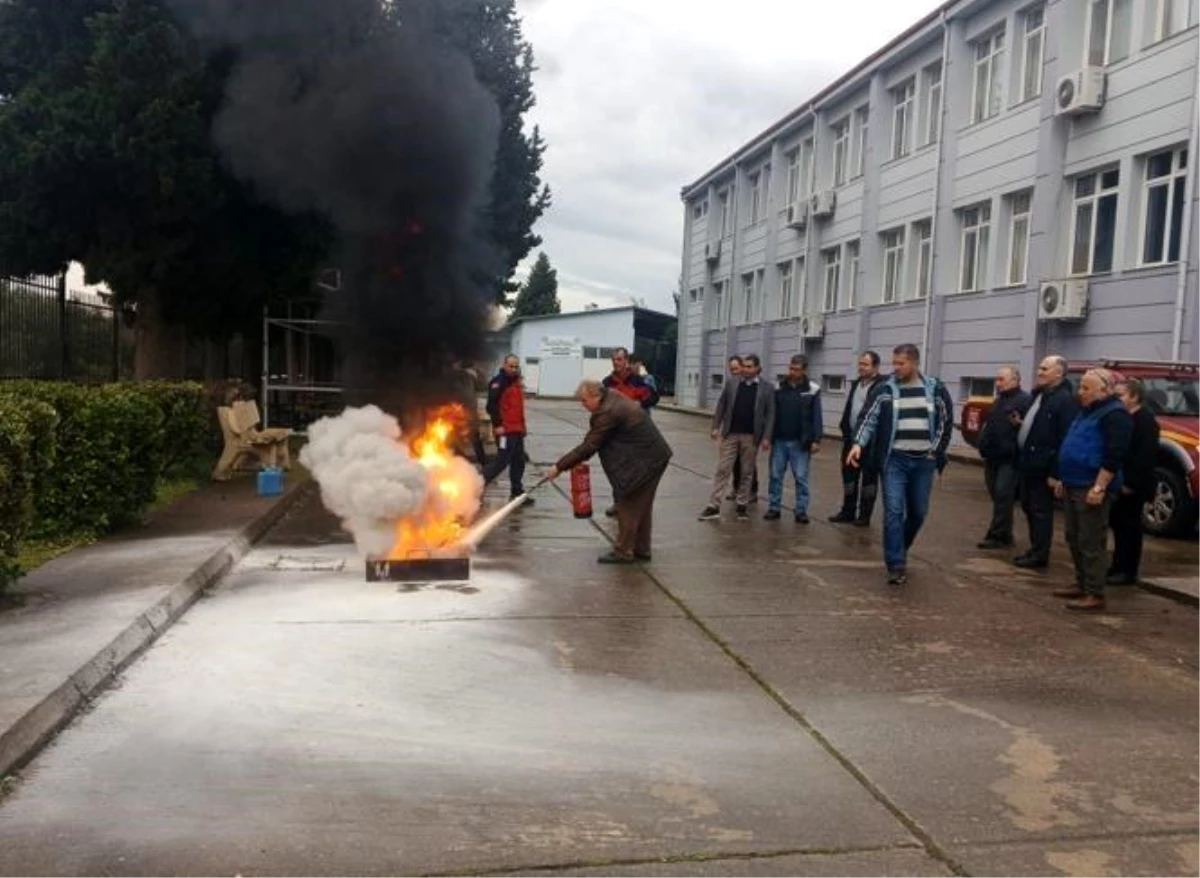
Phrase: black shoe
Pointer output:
(842, 518)
(710, 513)
(772, 515)
(862, 522)
(743, 514)
(990, 543)
(611, 512)
(1031, 562)
(1121, 579)
(897, 576)
(731, 497)
(642, 556)
(801, 518)
(616, 558)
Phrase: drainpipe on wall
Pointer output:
(735, 196)
(1185, 248)
(937, 188)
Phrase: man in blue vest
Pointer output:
(906, 430)
(1087, 481)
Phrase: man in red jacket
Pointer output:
(627, 382)
(506, 408)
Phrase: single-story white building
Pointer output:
(557, 351)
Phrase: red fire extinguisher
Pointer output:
(581, 491)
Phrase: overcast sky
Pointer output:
(637, 98)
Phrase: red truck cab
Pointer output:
(1173, 396)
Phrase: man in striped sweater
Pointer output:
(906, 430)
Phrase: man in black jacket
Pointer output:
(998, 448)
(1040, 433)
(1138, 488)
(859, 484)
(797, 436)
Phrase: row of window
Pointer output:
(916, 123)
(908, 258)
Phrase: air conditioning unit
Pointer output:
(812, 326)
(712, 252)
(797, 215)
(822, 204)
(1063, 300)
(1080, 92)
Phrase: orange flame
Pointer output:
(454, 487)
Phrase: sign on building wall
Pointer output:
(561, 346)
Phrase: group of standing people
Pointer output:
(1093, 450)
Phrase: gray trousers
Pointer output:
(1001, 482)
(743, 448)
(1087, 538)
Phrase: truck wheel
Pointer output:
(1170, 510)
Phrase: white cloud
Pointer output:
(637, 98)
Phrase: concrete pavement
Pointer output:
(752, 702)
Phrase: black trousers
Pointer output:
(512, 457)
(1001, 481)
(1037, 502)
(860, 487)
(1126, 523)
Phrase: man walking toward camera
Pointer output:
(998, 448)
(859, 484)
(905, 430)
(506, 408)
(797, 435)
(742, 423)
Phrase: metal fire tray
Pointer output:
(455, 569)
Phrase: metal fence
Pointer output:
(45, 334)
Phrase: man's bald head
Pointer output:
(1052, 371)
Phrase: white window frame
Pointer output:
(931, 124)
(992, 48)
(785, 289)
(1031, 37)
(793, 179)
(1100, 192)
(755, 181)
(862, 126)
(719, 289)
(1110, 11)
(893, 265)
(831, 262)
(724, 202)
(747, 315)
(923, 243)
(841, 150)
(853, 276)
(1175, 182)
(1020, 209)
(806, 167)
(975, 223)
(904, 100)
(1163, 26)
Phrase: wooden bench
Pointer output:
(245, 443)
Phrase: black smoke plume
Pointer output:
(338, 108)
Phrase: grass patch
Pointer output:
(171, 489)
(36, 552)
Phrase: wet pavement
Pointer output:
(753, 702)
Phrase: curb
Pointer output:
(970, 458)
(22, 741)
(1165, 591)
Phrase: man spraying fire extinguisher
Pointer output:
(634, 456)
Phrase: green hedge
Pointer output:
(90, 458)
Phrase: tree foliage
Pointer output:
(539, 293)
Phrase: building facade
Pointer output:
(1005, 180)
(557, 351)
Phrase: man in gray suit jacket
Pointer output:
(743, 423)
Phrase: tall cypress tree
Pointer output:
(539, 294)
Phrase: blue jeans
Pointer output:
(785, 453)
(907, 484)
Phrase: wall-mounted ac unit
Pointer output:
(812, 326)
(1080, 92)
(822, 204)
(712, 252)
(797, 215)
(1063, 300)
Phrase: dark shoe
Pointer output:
(1072, 592)
(772, 515)
(611, 512)
(1031, 562)
(731, 497)
(710, 513)
(862, 522)
(802, 518)
(642, 556)
(841, 518)
(616, 558)
(743, 514)
(1121, 579)
(990, 543)
(1089, 604)
(897, 576)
